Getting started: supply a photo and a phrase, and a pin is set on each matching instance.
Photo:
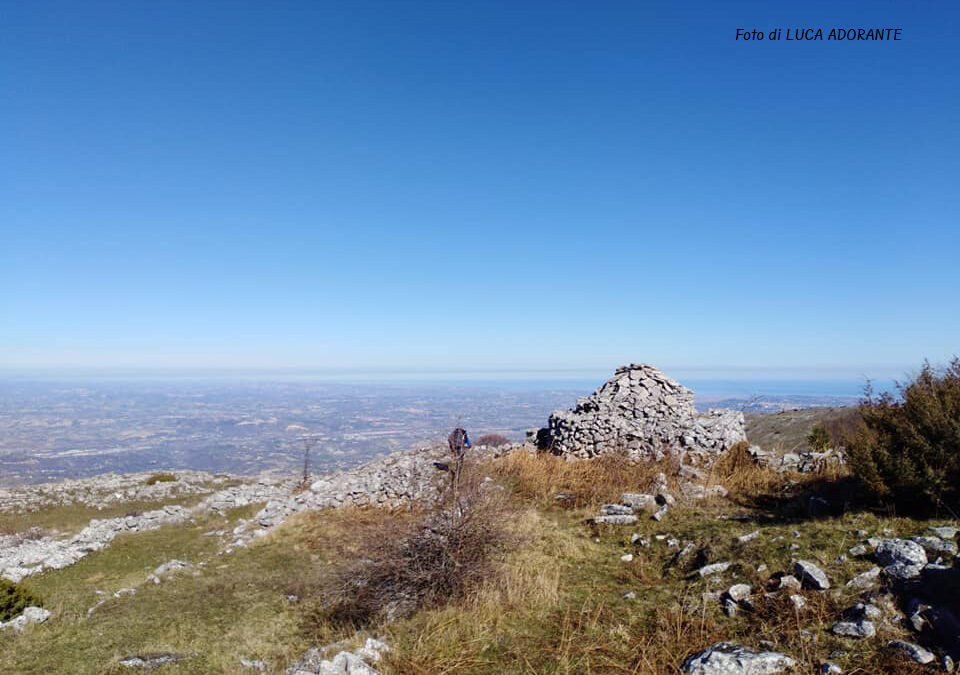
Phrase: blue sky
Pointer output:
(477, 185)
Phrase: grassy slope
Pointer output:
(565, 612)
(787, 431)
(556, 605)
(235, 607)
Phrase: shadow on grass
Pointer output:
(810, 499)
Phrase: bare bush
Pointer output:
(426, 562)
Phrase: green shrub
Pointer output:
(907, 449)
(14, 599)
(819, 439)
(160, 478)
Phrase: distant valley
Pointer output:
(52, 430)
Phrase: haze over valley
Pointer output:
(51, 430)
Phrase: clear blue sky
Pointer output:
(477, 185)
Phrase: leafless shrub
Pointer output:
(425, 562)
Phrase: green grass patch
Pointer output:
(236, 606)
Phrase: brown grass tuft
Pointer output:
(423, 562)
(548, 480)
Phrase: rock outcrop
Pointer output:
(645, 413)
(389, 481)
(107, 489)
(28, 616)
(22, 557)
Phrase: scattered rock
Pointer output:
(865, 580)
(638, 502)
(811, 576)
(744, 538)
(901, 558)
(615, 520)
(615, 510)
(945, 531)
(726, 658)
(855, 629)
(355, 662)
(28, 616)
(715, 568)
(150, 661)
(168, 568)
(739, 592)
(789, 582)
(913, 652)
(863, 610)
(937, 546)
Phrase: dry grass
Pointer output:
(742, 476)
(542, 477)
(428, 560)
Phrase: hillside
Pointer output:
(787, 431)
(563, 601)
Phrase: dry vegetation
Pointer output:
(499, 577)
(423, 561)
(493, 440)
(541, 478)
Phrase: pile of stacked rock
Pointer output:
(643, 412)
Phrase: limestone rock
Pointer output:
(638, 502)
(937, 546)
(811, 576)
(726, 658)
(944, 531)
(855, 629)
(615, 520)
(901, 558)
(715, 568)
(29, 615)
(912, 651)
(865, 580)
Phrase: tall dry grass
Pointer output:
(541, 478)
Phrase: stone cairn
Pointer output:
(645, 413)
